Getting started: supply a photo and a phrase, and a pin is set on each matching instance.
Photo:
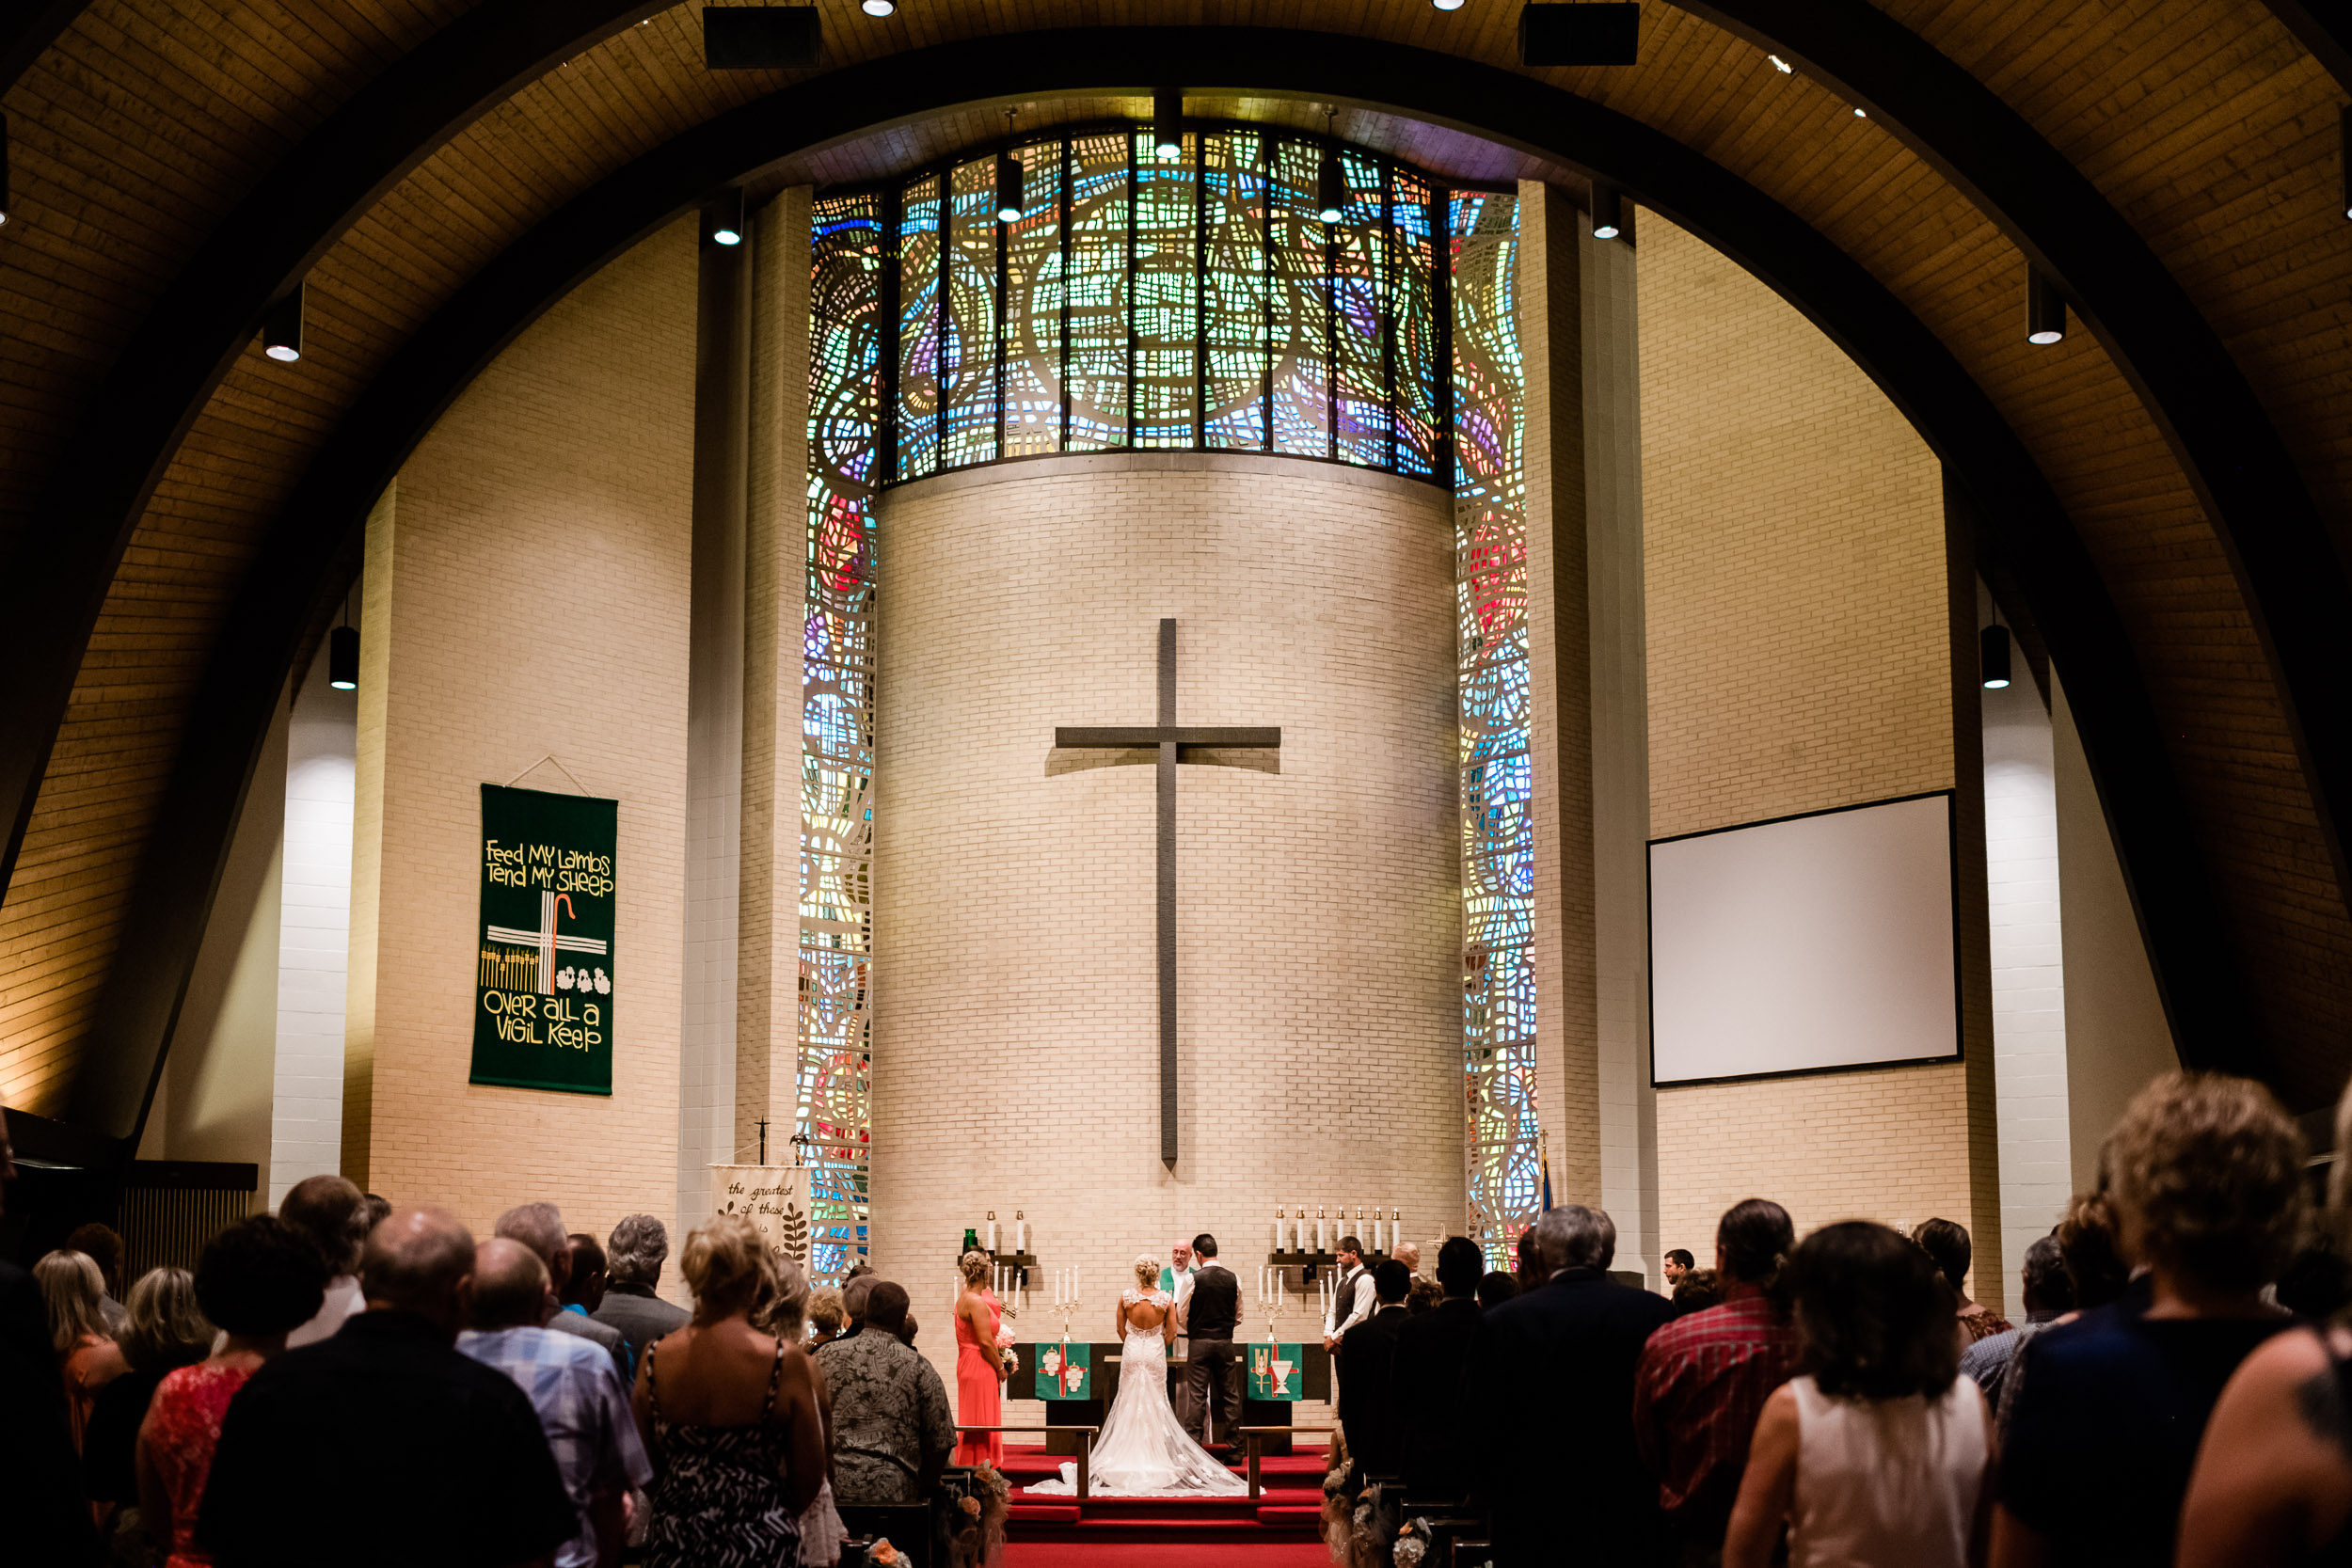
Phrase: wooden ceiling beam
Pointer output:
(2325, 31)
(325, 518)
(103, 479)
(2290, 573)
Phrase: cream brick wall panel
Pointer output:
(314, 935)
(1807, 603)
(1015, 1056)
(537, 602)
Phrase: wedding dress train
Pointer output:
(1141, 1450)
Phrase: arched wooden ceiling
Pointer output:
(176, 165)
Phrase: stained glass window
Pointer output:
(1196, 303)
(848, 334)
(1497, 849)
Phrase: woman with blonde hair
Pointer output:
(87, 1357)
(2206, 1175)
(980, 1371)
(1143, 1450)
(164, 1330)
(729, 1414)
(787, 1320)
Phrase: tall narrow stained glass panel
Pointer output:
(1360, 269)
(1499, 1001)
(1097, 282)
(1233, 288)
(1167, 329)
(1301, 349)
(967, 356)
(919, 410)
(1033, 307)
(1413, 309)
(832, 1069)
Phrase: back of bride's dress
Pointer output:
(1142, 1451)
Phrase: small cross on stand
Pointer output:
(1172, 741)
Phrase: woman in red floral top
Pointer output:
(257, 1281)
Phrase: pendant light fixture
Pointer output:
(1607, 211)
(4, 168)
(282, 326)
(1330, 179)
(1008, 178)
(2344, 160)
(2045, 308)
(1992, 656)
(1167, 124)
(343, 652)
(726, 218)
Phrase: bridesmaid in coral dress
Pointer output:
(980, 1371)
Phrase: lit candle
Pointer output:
(1318, 1227)
(992, 1230)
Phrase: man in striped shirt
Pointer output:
(1703, 1380)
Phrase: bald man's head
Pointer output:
(419, 1260)
(510, 1285)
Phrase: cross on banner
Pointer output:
(1173, 740)
(547, 941)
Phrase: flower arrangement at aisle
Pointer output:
(1412, 1544)
(1339, 1531)
(976, 1531)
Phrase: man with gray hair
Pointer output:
(1553, 1374)
(2049, 1295)
(382, 1444)
(855, 1292)
(540, 1228)
(585, 1414)
(632, 1272)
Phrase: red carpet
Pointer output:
(1271, 1530)
(1044, 1553)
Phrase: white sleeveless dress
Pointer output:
(1142, 1451)
(1886, 1482)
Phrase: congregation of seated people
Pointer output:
(2175, 1388)
(346, 1381)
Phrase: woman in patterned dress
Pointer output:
(257, 1281)
(730, 1416)
(980, 1371)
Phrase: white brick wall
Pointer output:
(314, 935)
(534, 594)
(2028, 975)
(1015, 1057)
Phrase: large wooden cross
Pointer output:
(1172, 741)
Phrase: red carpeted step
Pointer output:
(1043, 1513)
(1280, 1516)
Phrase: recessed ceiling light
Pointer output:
(1780, 65)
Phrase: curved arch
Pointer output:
(323, 517)
(103, 480)
(2287, 565)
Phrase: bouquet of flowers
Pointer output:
(976, 1531)
(1412, 1544)
(1004, 1352)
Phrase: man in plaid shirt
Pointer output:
(1703, 1380)
(571, 1383)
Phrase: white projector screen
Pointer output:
(1799, 945)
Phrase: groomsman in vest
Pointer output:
(1352, 1297)
(1209, 1317)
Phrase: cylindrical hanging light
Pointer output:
(1607, 211)
(2045, 307)
(1992, 656)
(1167, 124)
(343, 658)
(282, 326)
(1007, 188)
(1330, 186)
(727, 219)
(2344, 160)
(4, 168)
(878, 8)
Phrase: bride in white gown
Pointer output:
(1142, 1451)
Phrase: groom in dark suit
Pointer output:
(1211, 1315)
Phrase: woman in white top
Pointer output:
(1878, 1454)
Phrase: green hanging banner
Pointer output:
(1276, 1372)
(545, 984)
(1065, 1370)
